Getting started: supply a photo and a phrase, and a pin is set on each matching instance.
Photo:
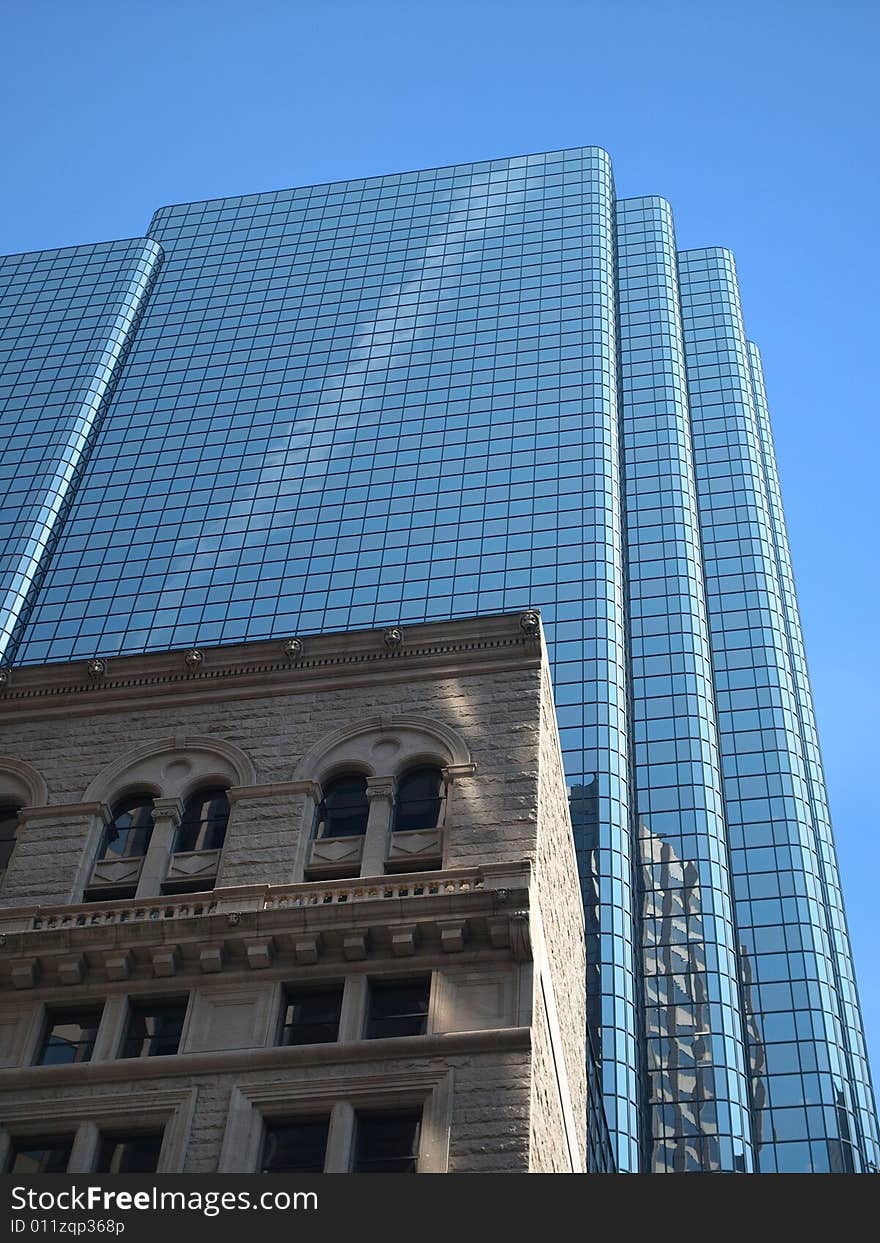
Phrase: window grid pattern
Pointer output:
(802, 1094)
(396, 399)
(698, 1110)
(382, 401)
(860, 1074)
(67, 320)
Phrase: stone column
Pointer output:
(453, 855)
(340, 1139)
(166, 822)
(354, 1009)
(84, 1154)
(108, 1037)
(380, 793)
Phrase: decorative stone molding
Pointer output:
(237, 794)
(21, 783)
(166, 960)
(212, 958)
(452, 935)
(499, 931)
(172, 767)
(25, 973)
(429, 1088)
(293, 649)
(520, 938)
(72, 970)
(403, 940)
(330, 852)
(108, 1111)
(384, 746)
(416, 846)
(354, 946)
(260, 953)
(118, 964)
(393, 637)
(307, 949)
(113, 873)
(530, 623)
(97, 668)
(193, 865)
(452, 772)
(381, 788)
(67, 811)
(230, 670)
(194, 658)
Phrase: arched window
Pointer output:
(8, 832)
(128, 834)
(204, 820)
(344, 808)
(419, 801)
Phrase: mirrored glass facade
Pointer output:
(471, 390)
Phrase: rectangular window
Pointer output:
(129, 1154)
(154, 1028)
(311, 1016)
(40, 1156)
(398, 1007)
(69, 1036)
(387, 1143)
(295, 1147)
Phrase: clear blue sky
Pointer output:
(757, 119)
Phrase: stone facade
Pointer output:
(483, 906)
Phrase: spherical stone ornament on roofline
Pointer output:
(393, 637)
(530, 623)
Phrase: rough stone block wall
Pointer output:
(548, 1148)
(507, 804)
(560, 905)
(492, 817)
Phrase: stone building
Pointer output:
(292, 906)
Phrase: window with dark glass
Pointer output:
(387, 1143)
(419, 800)
(398, 1007)
(295, 1147)
(128, 834)
(69, 1036)
(40, 1156)
(8, 832)
(204, 820)
(154, 1028)
(129, 1153)
(344, 809)
(311, 1016)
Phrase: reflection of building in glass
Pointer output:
(684, 1063)
(450, 393)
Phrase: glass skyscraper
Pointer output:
(471, 390)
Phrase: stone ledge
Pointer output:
(264, 666)
(276, 1057)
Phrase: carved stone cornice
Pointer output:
(264, 667)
